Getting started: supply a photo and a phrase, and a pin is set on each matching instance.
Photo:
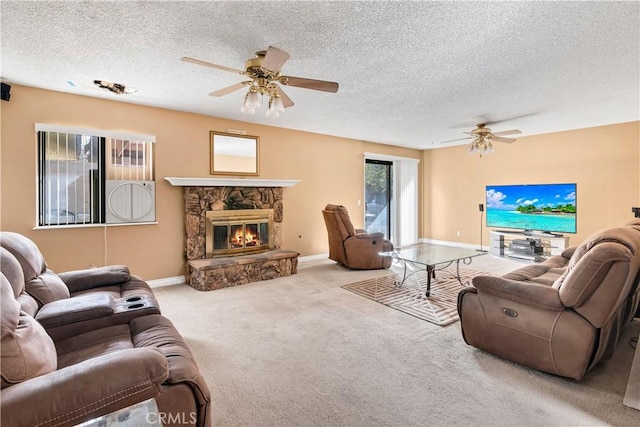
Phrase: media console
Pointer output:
(528, 246)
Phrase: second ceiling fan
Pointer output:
(263, 70)
(483, 138)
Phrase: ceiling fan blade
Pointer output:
(501, 139)
(210, 65)
(322, 85)
(506, 132)
(286, 101)
(229, 89)
(274, 59)
(459, 139)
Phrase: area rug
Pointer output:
(439, 308)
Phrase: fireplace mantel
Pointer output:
(229, 182)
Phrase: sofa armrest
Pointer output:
(80, 280)
(89, 389)
(76, 309)
(369, 236)
(527, 293)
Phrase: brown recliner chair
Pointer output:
(351, 247)
(564, 327)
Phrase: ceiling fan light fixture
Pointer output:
(488, 146)
(272, 113)
(252, 100)
(275, 103)
(247, 110)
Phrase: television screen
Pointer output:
(541, 207)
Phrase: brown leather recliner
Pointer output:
(124, 356)
(563, 325)
(351, 247)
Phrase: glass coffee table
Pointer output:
(432, 257)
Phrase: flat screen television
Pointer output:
(546, 208)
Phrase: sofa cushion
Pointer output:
(27, 351)
(47, 287)
(93, 344)
(12, 271)
(537, 273)
(40, 282)
(26, 252)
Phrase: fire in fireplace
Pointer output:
(237, 232)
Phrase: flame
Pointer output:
(249, 239)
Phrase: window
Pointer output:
(74, 167)
(128, 153)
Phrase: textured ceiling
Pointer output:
(411, 73)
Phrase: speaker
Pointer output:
(6, 92)
(481, 207)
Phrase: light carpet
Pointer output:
(300, 351)
(439, 308)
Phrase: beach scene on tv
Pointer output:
(545, 207)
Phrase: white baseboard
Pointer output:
(167, 281)
(316, 257)
(448, 243)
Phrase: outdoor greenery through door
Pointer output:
(378, 180)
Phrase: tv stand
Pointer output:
(501, 240)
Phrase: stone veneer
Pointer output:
(216, 273)
(213, 273)
(199, 200)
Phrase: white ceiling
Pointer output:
(411, 73)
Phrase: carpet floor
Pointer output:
(302, 351)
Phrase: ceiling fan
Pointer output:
(483, 138)
(263, 70)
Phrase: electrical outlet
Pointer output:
(458, 233)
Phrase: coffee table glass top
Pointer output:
(431, 254)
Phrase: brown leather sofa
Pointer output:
(78, 349)
(562, 316)
(351, 247)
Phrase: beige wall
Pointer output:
(603, 161)
(330, 169)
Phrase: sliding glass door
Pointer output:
(378, 185)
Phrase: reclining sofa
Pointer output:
(82, 344)
(354, 247)
(561, 316)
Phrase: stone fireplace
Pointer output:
(233, 231)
